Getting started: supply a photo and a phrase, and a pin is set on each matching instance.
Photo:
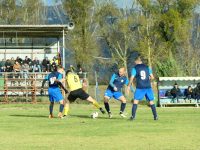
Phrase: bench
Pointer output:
(164, 102)
(179, 104)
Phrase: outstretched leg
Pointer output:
(66, 108)
(96, 104)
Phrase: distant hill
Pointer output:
(55, 15)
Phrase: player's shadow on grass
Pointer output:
(87, 116)
(31, 116)
(80, 116)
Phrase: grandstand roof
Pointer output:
(178, 78)
(33, 30)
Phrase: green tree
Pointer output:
(32, 12)
(165, 35)
(115, 28)
(8, 14)
(82, 38)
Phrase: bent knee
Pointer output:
(122, 99)
(151, 102)
(106, 99)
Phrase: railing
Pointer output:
(24, 84)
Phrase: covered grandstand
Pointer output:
(32, 41)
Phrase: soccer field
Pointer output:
(27, 127)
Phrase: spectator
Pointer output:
(168, 93)
(25, 70)
(12, 62)
(8, 66)
(2, 65)
(188, 93)
(17, 69)
(46, 64)
(27, 60)
(54, 62)
(36, 65)
(19, 60)
(197, 92)
(175, 92)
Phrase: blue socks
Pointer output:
(123, 106)
(153, 108)
(107, 107)
(51, 108)
(134, 108)
(61, 108)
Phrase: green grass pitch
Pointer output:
(27, 127)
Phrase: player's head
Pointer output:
(60, 69)
(138, 60)
(68, 71)
(122, 71)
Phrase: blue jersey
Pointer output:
(118, 82)
(142, 72)
(52, 77)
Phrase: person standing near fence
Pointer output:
(142, 74)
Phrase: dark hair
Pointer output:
(138, 58)
(68, 71)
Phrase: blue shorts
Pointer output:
(55, 94)
(115, 94)
(140, 93)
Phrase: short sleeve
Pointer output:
(127, 81)
(133, 72)
(59, 76)
(46, 77)
(150, 70)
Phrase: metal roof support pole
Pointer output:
(5, 46)
(32, 55)
(58, 50)
(63, 49)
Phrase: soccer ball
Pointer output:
(94, 115)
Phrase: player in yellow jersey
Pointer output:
(76, 91)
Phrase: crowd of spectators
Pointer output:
(187, 94)
(27, 64)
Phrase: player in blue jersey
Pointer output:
(117, 81)
(142, 74)
(54, 91)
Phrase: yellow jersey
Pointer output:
(73, 81)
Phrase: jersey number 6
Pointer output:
(75, 79)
